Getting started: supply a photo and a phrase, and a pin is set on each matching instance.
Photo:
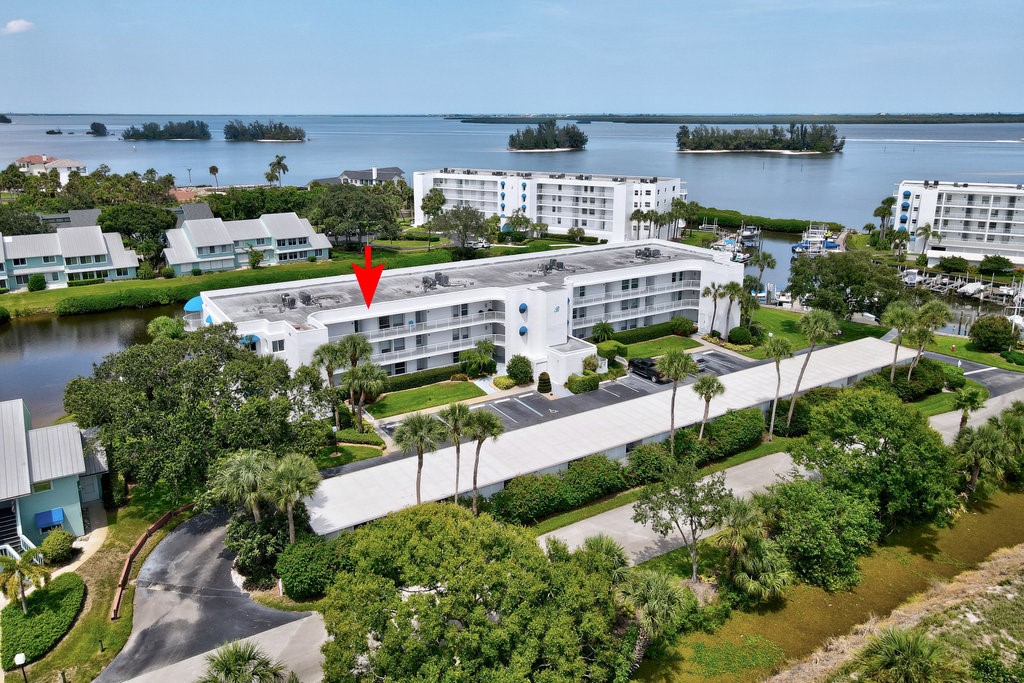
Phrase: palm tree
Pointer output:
(927, 233)
(744, 524)
(637, 218)
(295, 477)
(657, 603)
(748, 304)
(421, 433)
(602, 554)
(763, 261)
(214, 171)
(967, 400)
(366, 379)
(602, 332)
(455, 418)
(271, 177)
(899, 316)
(279, 168)
(482, 425)
(331, 357)
(707, 387)
(14, 574)
(884, 214)
(354, 348)
(242, 480)
(676, 364)
(984, 450)
(905, 656)
(931, 316)
(242, 662)
(777, 348)
(818, 326)
(713, 290)
(732, 290)
(899, 242)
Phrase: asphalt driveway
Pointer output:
(186, 603)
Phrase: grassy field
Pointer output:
(965, 349)
(698, 238)
(784, 324)
(407, 244)
(658, 347)
(753, 644)
(411, 400)
(343, 455)
(629, 497)
(943, 402)
(78, 654)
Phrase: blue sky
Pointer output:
(379, 57)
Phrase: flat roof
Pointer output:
(551, 175)
(364, 495)
(263, 302)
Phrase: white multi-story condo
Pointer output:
(973, 220)
(599, 204)
(67, 255)
(537, 305)
(211, 244)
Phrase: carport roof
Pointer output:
(350, 499)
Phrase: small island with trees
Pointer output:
(172, 130)
(97, 129)
(4, 118)
(237, 130)
(799, 138)
(547, 136)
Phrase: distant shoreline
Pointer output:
(737, 119)
(752, 151)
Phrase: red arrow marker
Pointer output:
(368, 275)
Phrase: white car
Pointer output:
(479, 244)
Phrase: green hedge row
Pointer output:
(735, 219)
(642, 334)
(5, 315)
(581, 385)
(352, 436)
(85, 283)
(802, 413)
(929, 378)
(556, 237)
(1015, 357)
(729, 434)
(126, 298)
(51, 612)
(422, 378)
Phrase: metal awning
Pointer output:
(50, 518)
(250, 339)
(194, 304)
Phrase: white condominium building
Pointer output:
(973, 220)
(537, 305)
(600, 204)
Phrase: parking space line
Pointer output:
(528, 407)
(610, 392)
(498, 410)
(623, 384)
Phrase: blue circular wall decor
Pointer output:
(524, 207)
(906, 193)
(522, 308)
(522, 331)
(905, 205)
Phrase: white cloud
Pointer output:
(17, 26)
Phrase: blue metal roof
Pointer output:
(49, 518)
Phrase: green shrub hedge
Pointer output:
(307, 568)
(740, 335)
(5, 315)
(503, 382)
(611, 348)
(581, 385)
(51, 612)
(1015, 357)
(647, 464)
(531, 497)
(520, 369)
(85, 283)
(802, 413)
(129, 297)
(733, 432)
(954, 377)
(929, 378)
(57, 546)
(352, 436)
(642, 334)
(735, 219)
(422, 378)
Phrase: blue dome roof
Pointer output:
(903, 218)
(522, 331)
(905, 205)
(906, 193)
(522, 308)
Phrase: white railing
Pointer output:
(638, 312)
(193, 321)
(617, 294)
(9, 552)
(431, 349)
(404, 330)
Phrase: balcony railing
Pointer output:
(618, 294)
(432, 349)
(612, 316)
(446, 323)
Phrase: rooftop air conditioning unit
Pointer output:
(305, 298)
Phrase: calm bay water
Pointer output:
(40, 355)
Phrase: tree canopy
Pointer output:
(137, 222)
(462, 225)
(432, 593)
(14, 221)
(844, 283)
(237, 130)
(798, 137)
(548, 135)
(172, 130)
(350, 210)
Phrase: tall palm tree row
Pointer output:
(707, 387)
(14, 574)
(675, 365)
(818, 326)
(455, 418)
(355, 348)
(901, 317)
(242, 479)
(714, 291)
(366, 379)
(778, 349)
(331, 357)
(733, 291)
(637, 217)
(930, 317)
(421, 433)
(294, 477)
(482, 425)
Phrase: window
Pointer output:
(40, 487)
(398, 369)
(71, 261)
(277, 345)
(54, 277)
(21, 279)
(86, 259)
(460, 333)
(19, 261)
(100, 258)
(460, 310)
(122, 272)
(455, 357)
(647, 205)
(630, 284)
(647, 192)
(49, 259)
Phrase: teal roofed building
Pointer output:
(47, 475)
(67, 255)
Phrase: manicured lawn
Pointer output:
(658, 347)
(965, 349)
(943, 402)
(345, 454)
(631, 496)
(411, 400)
(406, 244)
(751, 644)
(698, 238)
(784, 324)
(78, 654)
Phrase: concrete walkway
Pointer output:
(948, 424)
(640, 542)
